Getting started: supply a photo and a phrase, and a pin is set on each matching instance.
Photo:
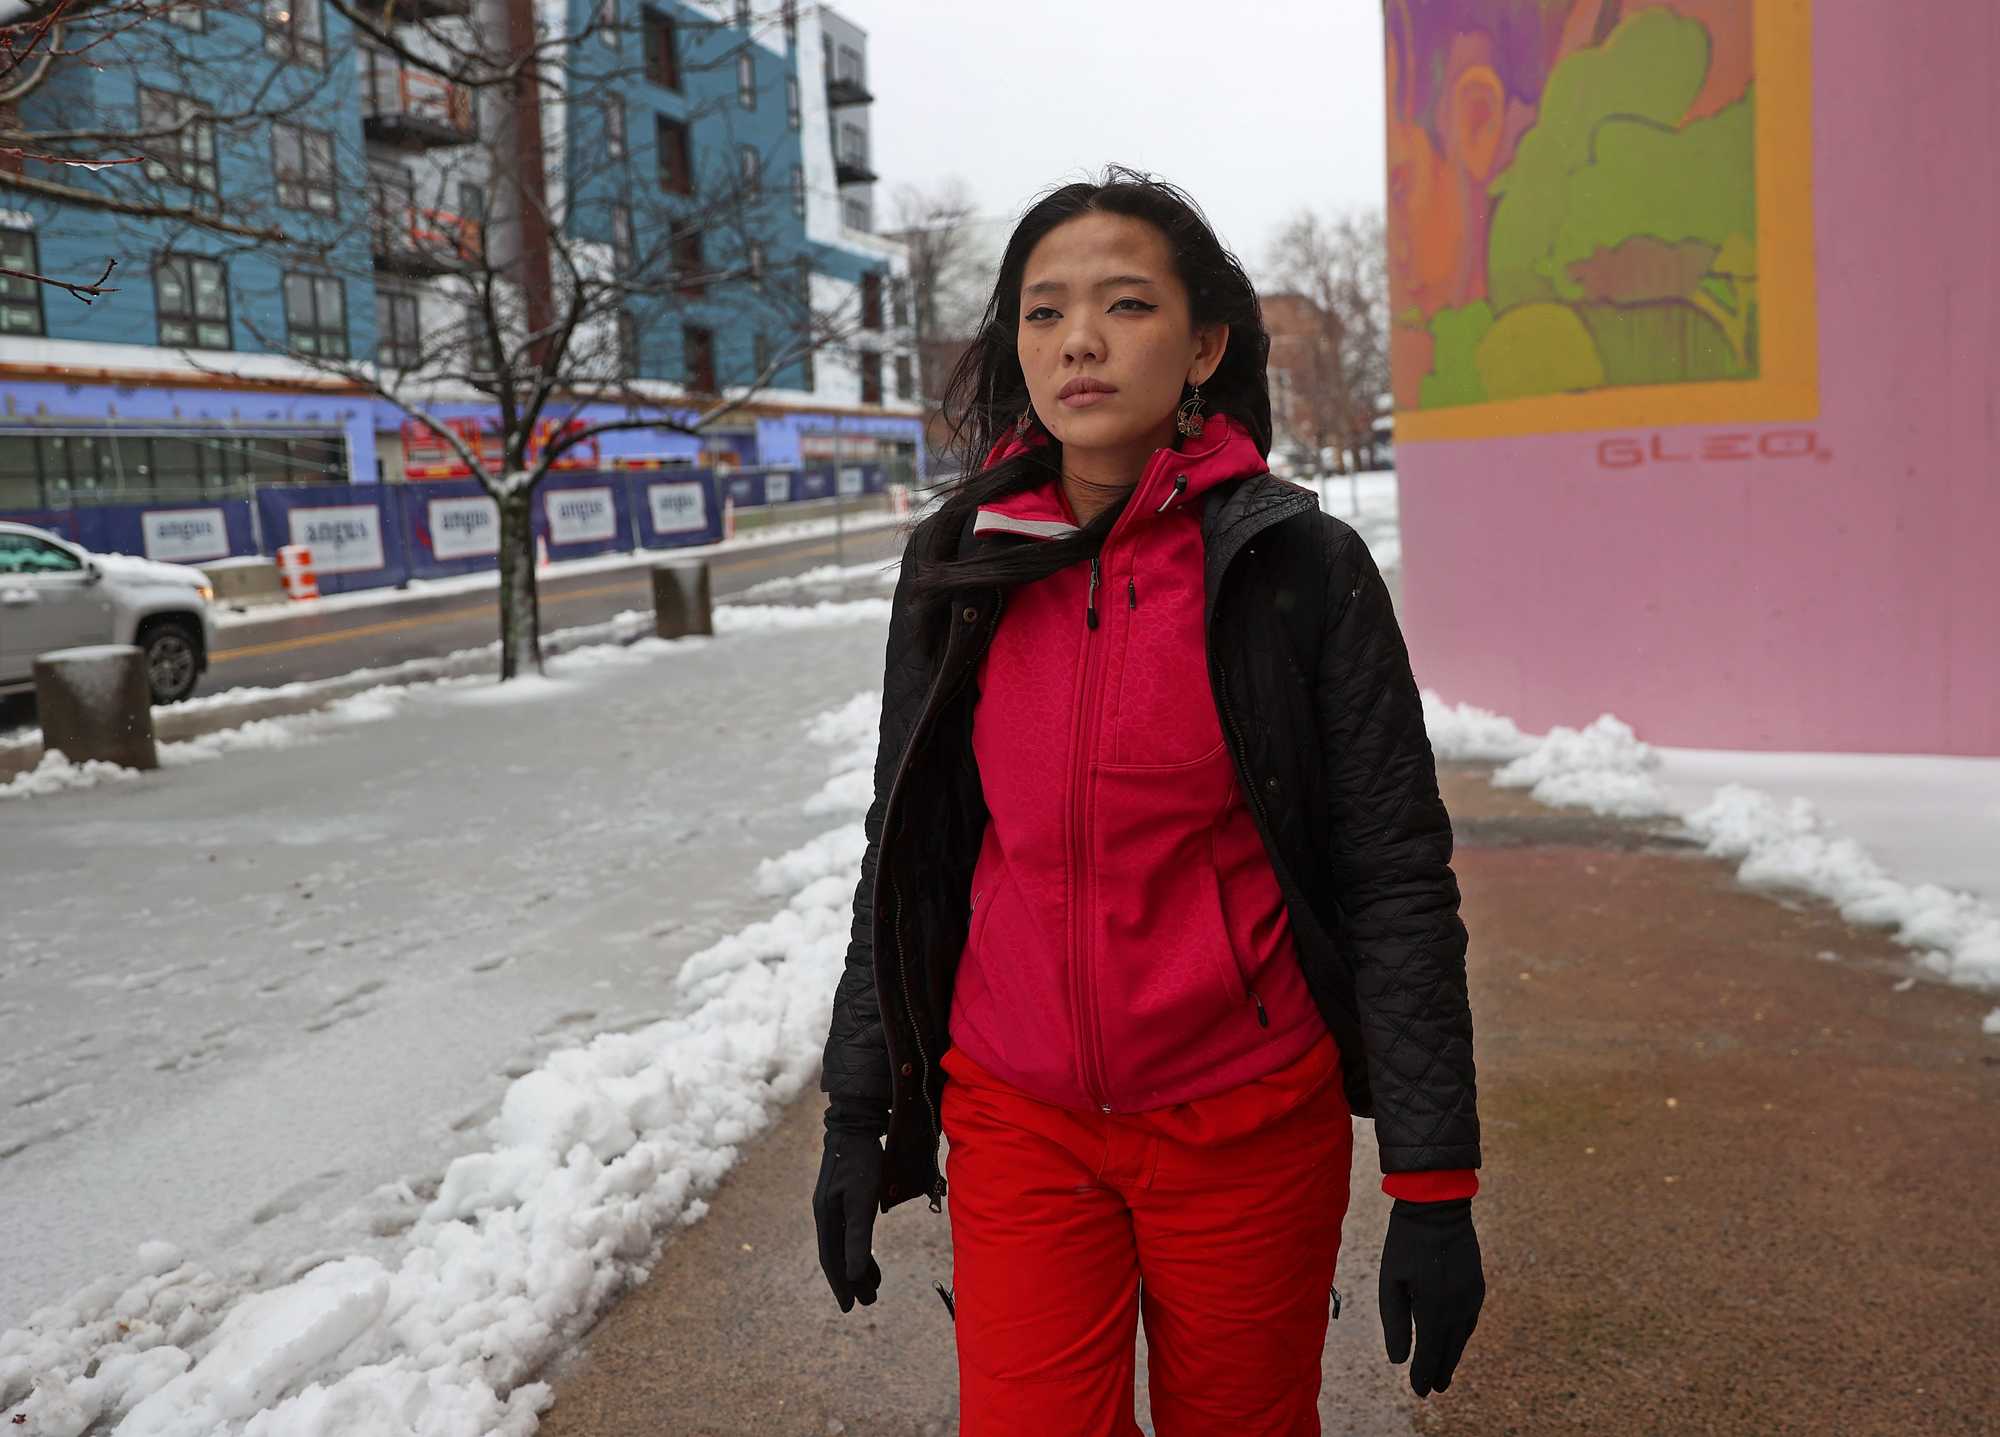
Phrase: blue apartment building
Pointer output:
(180, 392)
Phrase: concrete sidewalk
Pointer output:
(1735, 1182)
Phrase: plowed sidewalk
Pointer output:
(1735, 1182)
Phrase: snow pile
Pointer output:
(1788, 845)
(826, 576)
(749, 618)
(1603, 767)
(1468, 732)
(56, 774)
(594, 1157)
(1607, 769)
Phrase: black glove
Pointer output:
(1431, 1271)
(844, 1203)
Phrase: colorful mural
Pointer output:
(1575, 196)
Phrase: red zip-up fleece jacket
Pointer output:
(1129, 946)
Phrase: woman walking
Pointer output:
(1157, 891)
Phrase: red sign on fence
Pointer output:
(429, 455)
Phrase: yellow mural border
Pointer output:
(1787, 388)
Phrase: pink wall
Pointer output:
(1845, 599)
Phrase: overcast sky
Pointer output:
(1255, 107)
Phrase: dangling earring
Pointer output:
(1024, 423)
(1190, 420)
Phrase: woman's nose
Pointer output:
(1082, 341)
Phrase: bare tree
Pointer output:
(934, 224)
(1339, 266)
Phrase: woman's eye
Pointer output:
(1040, 311)
(1139, 306)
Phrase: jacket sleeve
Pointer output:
(854, 1072)
(1390, 845)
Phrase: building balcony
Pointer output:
(412, 110)
(411, 12)
(411, 240)
(842, 90)
(853, 170)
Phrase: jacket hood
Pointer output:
(1224, 452)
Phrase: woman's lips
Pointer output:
(1087, 398)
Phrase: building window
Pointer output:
(472, 204)
(20, 298)
(623, 241)
(316, 315)
(698, 355)
(302, 160)
(899, 301)
(181, 139)
(871, 300)
(799, 190)
(906, 378)
(188, 14)
(755, 264)
(663, 53)
(191, 298)
(399, 340)
(871, 378)
(746, 82)
(628, 345)
(751, 164)
(853, 146)
(850, 64)
(295, 30)
(688, 277)
(670, 138)
(854, 212)
(793, 115)
(614, 127)
(762, 351)
(607, 23)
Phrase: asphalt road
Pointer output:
(324, 645)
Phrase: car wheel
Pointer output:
(172, 661)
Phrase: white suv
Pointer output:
(55, 595)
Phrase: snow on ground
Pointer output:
(1376, 517)
(1874, 835)
(230, 617)
(311, 1138)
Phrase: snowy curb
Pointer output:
(1606, 768)
(568, 568)
(322, 705)
(595, 1157)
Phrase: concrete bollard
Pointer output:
(681, 601)
(95, 703)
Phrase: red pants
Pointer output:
(1218, 1221)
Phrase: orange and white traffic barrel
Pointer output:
(295, 572)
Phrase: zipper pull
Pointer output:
(1132, 590)
(1180, 488)
(937, 1194)
(945, 1293)
(1336, 1303)
(1090, 609)
(1263, 1018)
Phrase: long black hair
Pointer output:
(987, 391)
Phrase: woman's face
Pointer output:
(1105, 335)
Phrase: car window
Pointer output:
(25, 554)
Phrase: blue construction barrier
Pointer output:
(355, 532)
(371, 536)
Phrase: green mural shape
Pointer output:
(1454, 376)
(1538, 349)
(1649, 69)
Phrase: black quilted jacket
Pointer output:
(1314, 688)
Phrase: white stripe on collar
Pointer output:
(989, 522)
